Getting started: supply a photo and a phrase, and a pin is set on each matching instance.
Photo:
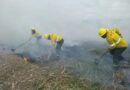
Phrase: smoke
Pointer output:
(78, 58)
(76, 20)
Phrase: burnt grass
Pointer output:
(15, 74)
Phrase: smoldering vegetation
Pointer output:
(18, 75)
(78, 58)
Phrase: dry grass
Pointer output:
(15, 74)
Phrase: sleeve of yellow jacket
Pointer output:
(115, 40)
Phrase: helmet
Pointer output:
(46, 36)
(33, 29)
(102, 31)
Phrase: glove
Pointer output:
(112, 46)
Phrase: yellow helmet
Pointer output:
(102, 31)
(46, 36)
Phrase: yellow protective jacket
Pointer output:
(114, 37)
(55, 38)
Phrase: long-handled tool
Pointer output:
(96, 60)
(21, 45)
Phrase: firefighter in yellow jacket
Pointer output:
(56, 40)
(117, 45)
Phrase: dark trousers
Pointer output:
(117, 55)
(58, 46)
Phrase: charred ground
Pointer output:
(75, 70)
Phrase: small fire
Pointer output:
(26, 59)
